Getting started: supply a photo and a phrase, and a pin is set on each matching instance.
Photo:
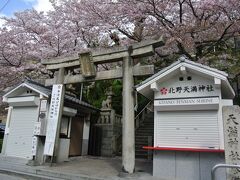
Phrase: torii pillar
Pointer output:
(128, 130)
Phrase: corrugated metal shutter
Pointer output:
(19, 142)
(187, 129)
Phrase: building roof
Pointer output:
(46, 91)
(144, 87)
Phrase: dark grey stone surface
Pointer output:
(231, 124)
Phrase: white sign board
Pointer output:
(53, 117)
(43, 106)
(37, 128)
(190, 101)
(196, 86)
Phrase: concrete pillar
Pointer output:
(128, 131)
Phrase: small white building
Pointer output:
(27, 119)
(188, 124)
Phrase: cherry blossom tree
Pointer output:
(203, 30)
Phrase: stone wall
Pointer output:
(110, 124)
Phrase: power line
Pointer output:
(4, 5)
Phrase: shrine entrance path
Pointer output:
(103, 168)
(77, 168)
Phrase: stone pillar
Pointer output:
(128, 133)
(231, 122)
(60, 80)
(60, 76)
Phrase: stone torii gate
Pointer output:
(88, 62)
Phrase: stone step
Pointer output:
(147, 122)
(145, 134)
(147, 119)
(145, 129)
(141, 142)
(141, 151)
(148, 132)
(139, 139)
(141, 154)
(142, 136)
(149, 115)
(145, 126)
(139, 147)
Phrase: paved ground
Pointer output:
(79, 168)
(10, 177)
(104, 168)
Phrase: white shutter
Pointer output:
(187, 129)
(19, 142)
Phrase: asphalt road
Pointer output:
(10, 177)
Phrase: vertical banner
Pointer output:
(53, 118)
(231, 121)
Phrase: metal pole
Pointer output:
(221, 166)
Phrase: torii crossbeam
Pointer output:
(88, 62)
